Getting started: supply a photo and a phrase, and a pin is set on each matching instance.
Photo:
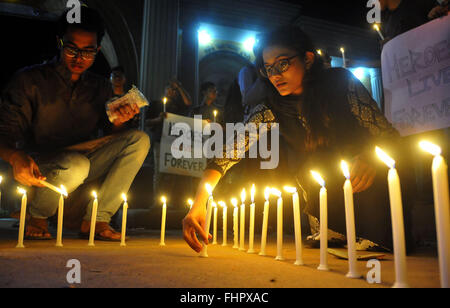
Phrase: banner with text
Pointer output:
(416, 78)
(193, 167)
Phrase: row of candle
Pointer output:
(63, 194)
(441, 198)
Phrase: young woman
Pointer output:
(324, 116)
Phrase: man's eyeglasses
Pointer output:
(278, 67)
(72, 52)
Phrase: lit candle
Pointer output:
(224, 222)
(93, 219)
(23, 213)
(398, 231)
(215, 224)
(242, 230)
(265, 221)
(50, 186)
(343, 57)
(164, 104)
(377, 28)
(441, 208)
(190, 203)
(234, 202)
(251, 236)
(124, 221)
(215, 116)
(209, 189)
(323, 223)
(60, 217)
(277, 193)
(297, 224)
(163, 221)
(350, 223)
(319, 52)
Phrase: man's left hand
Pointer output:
(125, 113)
(362, 174)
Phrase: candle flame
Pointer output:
(291, 190)
(267, 193)
(215, 113)
(163, 199)
(124, 197)
(243, 195)
(252, 193)
(209, 189)
(222, 204)
(275, 192)
(1, 179)
(319, 51)
(342, 49)
(376, 27)
(345, 169)
(165, 100)
(21, 191)
(318, 178)
(429, 147)
(94, 193)
(385, 158)
(190, 202)
(214, 204)
(234, 202)
(64, 191)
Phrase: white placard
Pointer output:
(416, 78)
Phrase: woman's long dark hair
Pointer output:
(315, 107)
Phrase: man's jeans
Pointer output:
(117, 161)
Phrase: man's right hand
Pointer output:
(26, 171)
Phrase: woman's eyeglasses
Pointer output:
(72, 52)
(278, 67)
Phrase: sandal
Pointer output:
(100, 228)
(37, 230)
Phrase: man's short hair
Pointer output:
(91, 21)
(118, 69)
(206, 86)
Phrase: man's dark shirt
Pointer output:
(44, 111)
(409, 15)
(207, 112)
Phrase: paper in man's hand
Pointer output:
(134, 96)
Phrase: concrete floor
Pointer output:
(143, 263)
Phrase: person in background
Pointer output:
(208, 92)
(399, 16)
(118, 80)
(50, 115)
(253, 89)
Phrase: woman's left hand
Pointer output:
(362, 174)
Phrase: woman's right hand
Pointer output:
(26, 171)
(193, 224)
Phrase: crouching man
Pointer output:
(50, 115)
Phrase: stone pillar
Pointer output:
(159, 47)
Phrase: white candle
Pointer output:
(124, 221)
(398, 230)
(163, 221)
(93, 219)
(242, 227)
(251, 236)
(323, 223)
(350, 223)
(23, 213)
(265, 222)
(215, 224)
(164, 104)
(190, 203)
(277, 193)
(234, 202)
(377, 28)
(343, 57)
(224, 222)
(441, 207)
(297, 224)
(60, 217)
(209, 189)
